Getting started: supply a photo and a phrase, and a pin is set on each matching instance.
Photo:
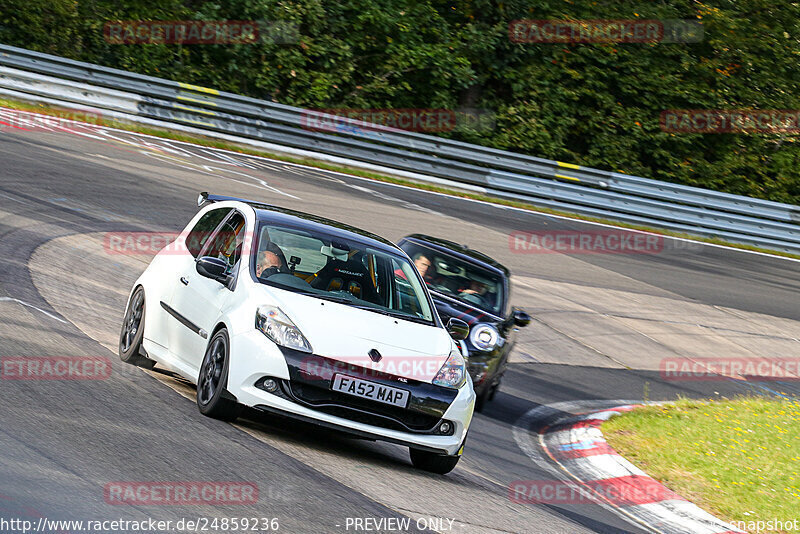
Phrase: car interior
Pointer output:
(338, 269)
(459, 279)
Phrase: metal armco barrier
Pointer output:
(505, 174)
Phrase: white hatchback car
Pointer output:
(293, 314)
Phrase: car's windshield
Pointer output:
(462, 280)
(329, 267)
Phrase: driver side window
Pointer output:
(198, 235)
(226, 243)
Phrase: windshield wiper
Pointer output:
(340, 300)
(391, 313)
(382, 311)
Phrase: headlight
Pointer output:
(453, 373)
(280, 329)
(484, 337)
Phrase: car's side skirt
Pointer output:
(184, 321)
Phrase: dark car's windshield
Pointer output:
(345, 271)
(454, 277)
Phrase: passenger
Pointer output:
(423, 265)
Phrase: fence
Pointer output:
(34, 76)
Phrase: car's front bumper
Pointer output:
(250, 363)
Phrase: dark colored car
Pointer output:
(471, 286)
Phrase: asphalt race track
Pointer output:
(602, 325)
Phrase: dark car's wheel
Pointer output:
(212, 398)
(435, 463)
(130, 338)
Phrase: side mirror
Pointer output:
(457, 329)
(521, 318)
(213, 268)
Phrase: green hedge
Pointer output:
(590, 104)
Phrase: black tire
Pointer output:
(482, 398)
(212, 398)
(494, 391)
(440, 464)
(132, 333)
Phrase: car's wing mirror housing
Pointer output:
(521, 318)
(457, 329)
(213, 268)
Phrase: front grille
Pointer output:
(309, 384)
(360, 410)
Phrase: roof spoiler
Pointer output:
(205, 197)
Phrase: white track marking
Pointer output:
(105, 129)
(207, 169)
(9, 299)
(669, 513)
(14, 199)
(521, 430)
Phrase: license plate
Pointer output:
(370, 390)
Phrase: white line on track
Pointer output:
(9, 299)
(12, 198)
(105, 129)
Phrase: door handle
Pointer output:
(184, 281)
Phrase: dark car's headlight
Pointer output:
(484, 337)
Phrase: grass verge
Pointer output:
(243, 149)
(738, 459)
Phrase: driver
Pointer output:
(476, 293)
(268, 263)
